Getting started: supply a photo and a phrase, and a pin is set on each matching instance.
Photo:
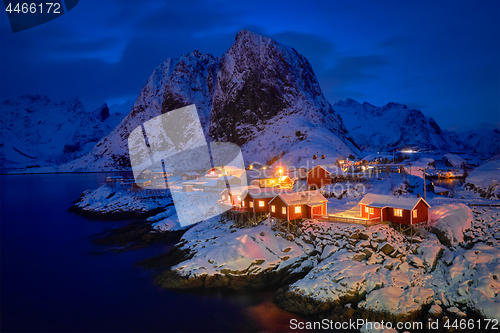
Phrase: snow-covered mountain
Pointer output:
(393, 125)
(35, 130)
(261, 95)
(485, 141)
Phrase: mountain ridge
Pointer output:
(259, 94)
(37, 130)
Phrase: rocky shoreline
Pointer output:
(341, 271)
(115, 202)
(328, 270)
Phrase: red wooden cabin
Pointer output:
(321, 175)
(257, 200)
(298, 205)
(397, 210)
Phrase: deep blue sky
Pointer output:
(442, 57)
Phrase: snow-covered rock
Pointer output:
(471, 280)
(454, 161)
(224, 256)
(485, 180)
(117, 201)
(397, 301)
(450, 221)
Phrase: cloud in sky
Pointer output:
(442, 55)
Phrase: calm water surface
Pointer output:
(52, 281)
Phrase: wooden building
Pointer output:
(231, 180)
(400, 210)
(321, 175)
(232, 196)
(257, 200)
(190, 176)
(227, 170)
(298, 205)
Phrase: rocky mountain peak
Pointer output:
(259, 92)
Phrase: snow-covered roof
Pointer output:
(299, 198)
(260, 193)
(211, 183)
(235, 190)
(381, 201)
(226, 168)
(226, 178)
(233, 168)
(330, 168)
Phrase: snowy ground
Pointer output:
(392, 275)
(219, 248)
(484, 181)
(122, 199)
(374, 268)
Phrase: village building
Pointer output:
(227, 170)
(157, 172)
(228, 180)
(114, 179)
(142, 183)
(270, 178)
(232, 196)
(298, 205)
(322, 175)
(257, 200)
(190, 176)
(255, 166)
(400, 210)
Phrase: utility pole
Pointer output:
(425, 191)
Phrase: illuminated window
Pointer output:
(261, 203)
(366, 209)
(239, 197)
(283, 210)
(211, 172)
(415, 214)
(297, 209)
(243, 203)
(251, 204)
(398, 212)
(223, 197)
(273, 208)
(372, 211)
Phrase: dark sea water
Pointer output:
(52, 280)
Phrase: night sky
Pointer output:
(442, 57)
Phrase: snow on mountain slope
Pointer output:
(175, 83)
(269, 101)
(393, 125)
(261, 95)
(484, 141)
(35, 130)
